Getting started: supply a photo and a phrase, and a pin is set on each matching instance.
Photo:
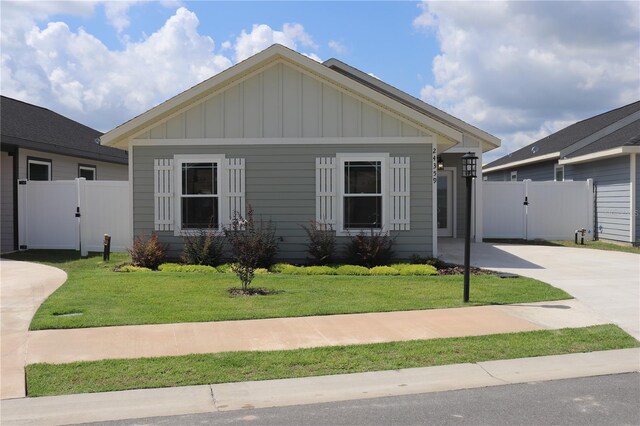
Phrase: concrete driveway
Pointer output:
(606, 281)
(23, 288)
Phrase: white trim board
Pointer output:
(552, 156)
(285, 141)
(601, 155)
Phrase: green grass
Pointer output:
(107, 298)
(596, 245)
(122, 374)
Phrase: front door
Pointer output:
(445, 203)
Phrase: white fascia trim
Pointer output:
(341, 157)
(600, 155)
(484, 136)
(268, 55)
(131, 227)
(285, 141)
(180, 159)
(528, 161)
(434, 200)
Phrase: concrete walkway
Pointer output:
(23, 288)
(606, 281)
(71, 409)
(89, 344)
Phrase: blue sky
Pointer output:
(519, 70)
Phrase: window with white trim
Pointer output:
(198, 193)
(514, 176)
(558, 173)
(38, 169)
(362, 195)
(87, 172)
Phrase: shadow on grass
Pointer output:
(48, 256)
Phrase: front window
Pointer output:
(362, 206)
(87, 172)
(559, 173)
(199, 197)
(38, 169)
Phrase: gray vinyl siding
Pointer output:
(539, 172)
(280, 185)
(637, 195)
(65, 167)
(6, 203)
(611, 179)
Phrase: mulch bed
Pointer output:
(251, 291)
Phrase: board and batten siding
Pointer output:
(280, 185)
(611, 179)
(281, 102)
(65, 167)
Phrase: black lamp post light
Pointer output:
(469, 163)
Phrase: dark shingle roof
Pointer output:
(629, 135)
(33, 127)
(567, 136)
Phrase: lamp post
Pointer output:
(468, 172)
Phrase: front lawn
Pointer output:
(122, 374)
(107, 298)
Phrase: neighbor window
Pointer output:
(87, 172)
(38, 169)
(199, 198)
(362, 197)
(558, 173)
(514, 176)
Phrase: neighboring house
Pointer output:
(39, 144)
(299, 141)
(605, 148)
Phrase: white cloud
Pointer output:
(263, 36)
(522, 70)
(337, 47)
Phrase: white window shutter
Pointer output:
(400, 198)
(326, 187)
(163, 194)
(234, 190)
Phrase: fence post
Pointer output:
(82, 231)
(22, 215)
(590, 209)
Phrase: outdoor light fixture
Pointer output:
(469, 161)
(440, 163)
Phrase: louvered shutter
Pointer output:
(234, 190)
(326, 187)
(399, 194)
(163, 194)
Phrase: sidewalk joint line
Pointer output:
(213, 398)
(492, 376)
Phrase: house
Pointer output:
(39, 144)
(299, 141)
(605, 148)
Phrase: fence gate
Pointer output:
(537, 210)
(73, 214)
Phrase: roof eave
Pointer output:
(528, 161)
(601, 155)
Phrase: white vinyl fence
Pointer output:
(537, 210)
(73, 214)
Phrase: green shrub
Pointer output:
(147, 253)
(409, 269)
(322, 243)
(352, 270)
(384, 270)
(133, 268)
(309, 270)
(175, 267)
(261, 271)
(225, 268)
(202, 247)
(280, 268)
(370, 250)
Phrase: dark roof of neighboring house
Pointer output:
(33, 127)
(629, 135)
(567, 136)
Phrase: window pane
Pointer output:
(362, 177)
(362, 212)
(38, 171)
(199, 212)
(199, 178)
(88, 174)
(559, 174)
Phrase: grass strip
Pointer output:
(101, 297)
(122, 374)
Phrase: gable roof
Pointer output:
(411, 101)
(33, 127)
(120, 135)
(551, 147)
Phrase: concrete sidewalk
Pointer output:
(90, 344)
(133, 404)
